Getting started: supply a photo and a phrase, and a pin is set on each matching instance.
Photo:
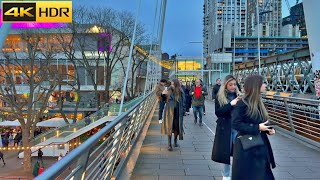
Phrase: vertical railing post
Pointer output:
(289, 115)
(82, 162)
(115, 151)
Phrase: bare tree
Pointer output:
(107, 21)
(31, 59)
(136, 63)
(66, 41)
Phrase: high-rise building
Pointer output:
(229, 12)
(296, 18)
(220, 15)
(270, 17)
(207, 11)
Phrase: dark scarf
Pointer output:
(231, 96)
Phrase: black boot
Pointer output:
(169, 143)
(176, 140)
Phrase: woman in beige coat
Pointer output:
(173, 113)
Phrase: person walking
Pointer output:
(205, 87)
(225, 100)
(11, 139)
(60, 157)
(188, 97)
(173, 113)
(161, 97)
(198, 96)
(252, 156)
(216, 88)
(183, 90)
(36, 168)
(40, 154)
(1, 157)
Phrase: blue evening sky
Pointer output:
(183, 21)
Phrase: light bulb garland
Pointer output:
(31, 147)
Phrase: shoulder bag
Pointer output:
(251, 141)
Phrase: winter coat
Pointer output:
(188, 98)
(252, 164)
(35, 171)
(196, 101)
(159, 89)
(168, 116)
(221, 150)
(215, 90)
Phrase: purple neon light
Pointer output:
(109, 36)
(33, 24)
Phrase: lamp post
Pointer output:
(234, 42)
(258, 33)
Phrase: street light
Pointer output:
(258, 33)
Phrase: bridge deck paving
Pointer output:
(192, 160)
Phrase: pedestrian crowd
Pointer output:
(242, 128)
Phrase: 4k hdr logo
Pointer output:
(41, 11)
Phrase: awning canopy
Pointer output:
(54, 122)
(10, 123)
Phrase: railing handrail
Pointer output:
(294, 98)
(65, 162)
(296, 117)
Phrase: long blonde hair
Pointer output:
(252, 99)
(222, 94)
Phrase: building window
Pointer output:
(225, 68)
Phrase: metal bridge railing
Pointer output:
(103, 155)
(298, 117)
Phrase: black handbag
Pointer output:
(250, 141)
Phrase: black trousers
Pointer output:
(175, 123)
(2, 159)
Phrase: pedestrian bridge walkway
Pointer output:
(192, 159)
(131, 146)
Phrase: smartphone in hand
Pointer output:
(271, 125)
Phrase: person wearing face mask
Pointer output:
(252, 155)
(226, 98)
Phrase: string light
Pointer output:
(31, 147)
(161, 63)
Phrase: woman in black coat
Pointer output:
(225, 100)
(249, 117)
(188, 97)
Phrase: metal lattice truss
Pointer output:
(292, 75)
